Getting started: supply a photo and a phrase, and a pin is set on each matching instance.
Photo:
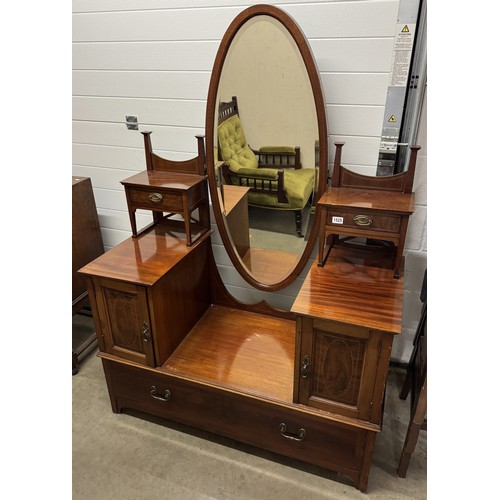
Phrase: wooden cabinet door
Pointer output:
(125, 320)
(338, 367)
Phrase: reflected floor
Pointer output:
(275, 229)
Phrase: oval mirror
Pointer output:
(266, 138)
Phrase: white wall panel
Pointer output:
(355, 120)
(85, 6)
(109, 157)
(145, 56)
(345, 19)
(148, 111)
(182, 139)
(159, 84)
(348, 55)
(355, 88)
(113, 237)
(105, 178)
(126, 5)
(110, 199)
(116, 219)
(357, 150)
(150, 25)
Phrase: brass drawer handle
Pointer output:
(155, 395)
(155, 197)
(363, 220)
(294, 437)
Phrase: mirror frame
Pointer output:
(289, 24)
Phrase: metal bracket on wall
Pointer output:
(131, 122)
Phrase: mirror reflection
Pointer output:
(266, 132)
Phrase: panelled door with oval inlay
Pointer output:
(337, 366)
(125, 323)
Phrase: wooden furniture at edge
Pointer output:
(376, 208)
(86, 246)
(235, 205)
(185, 350)
(174, 187)
(416, 383)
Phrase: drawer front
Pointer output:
(363, 219)
(286, 430)
(156, 200)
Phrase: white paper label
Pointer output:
(401, 57)
(337, 220)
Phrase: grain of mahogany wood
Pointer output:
(370, 199)
(356, 288)
(144, 260)
(239, 350)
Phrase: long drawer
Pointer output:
(286, 429)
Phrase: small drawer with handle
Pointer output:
(156, 199)
(363, 219)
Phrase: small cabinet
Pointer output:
(348, 312)
(148, 292)
(338, 366)
(126, 327)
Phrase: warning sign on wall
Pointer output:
(403, 44)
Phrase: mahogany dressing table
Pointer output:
(306, 383)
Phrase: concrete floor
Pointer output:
(135, 456)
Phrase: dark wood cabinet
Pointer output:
(348, 314)
(86, 237)
(87, 244)
(148, 293)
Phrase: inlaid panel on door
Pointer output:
(125, 322)
(337, 366)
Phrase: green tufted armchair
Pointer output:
(277, 181)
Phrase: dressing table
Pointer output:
(307, 383)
